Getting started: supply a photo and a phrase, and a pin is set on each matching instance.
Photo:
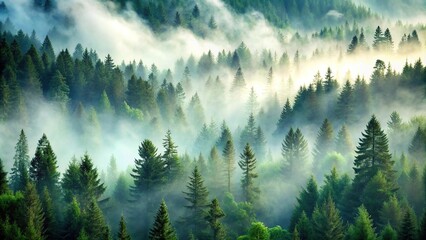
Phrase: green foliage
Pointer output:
(94, 222)
(73, 220)
(239, 216)
(248, 166)
(33, 214)
(375, 193)
(326, 222)
(324, 142)
(19, 176)
(213, 216)
(170, 156)
(258, 231)
(363, 226)
(304, 227)
(122, 231)
(408, 228)
(229, 157)
(196, 197)
(162, 228)
(3, 179)
(306, 202)
(388, 233)
(294, 150)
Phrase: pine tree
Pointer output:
(375, 193)
(94, 222)
(248, 134)
(378, 39)
(326, 222)
(304, 227)
(73, 220)
(4, 99)
(224, 137)
(353, 46)
(390, 213)
(363, 226)
(90, 183)
(51, 219)
(306, 202)
(197, 203)
(294, 150)
(372, 156)
(345, 108)
(213, 217)
(422, 227)
(229, 157)
(248, 166)
(162, 228)
(149, 171)
(324, 142)
(408, 228)
(286, 119)
(71, 181)
(343, 142)
(122, 231)
(212, 23)
(44, 169)
(171, 157)
(3, 179)
(20, 175)
(33, 213)
(417, 147)
(239, 82)
(388, 233)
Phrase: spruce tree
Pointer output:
(343, 142)
(363, 226)
(324, 142)
(408, 228)
(239, 82)
(306, 202)
(213, 217)
(162, 229)
(33, 213)
(345, 104)
(229, 157)
(196, 196)
(388, 233)
(372, 155)
(171, 158)
(224, 137)
(71, 181)
(44, 169)
(286, 119)
(90, 183)
(304, 227)
(94, 222)
(294, 150)
(122, 230)
(149, 172)
(3, 179)
(73, 220)
(20, 176)
(248, 166)
(375, 193)
(326, 222)
(422, 227)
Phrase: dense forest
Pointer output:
(314, 128)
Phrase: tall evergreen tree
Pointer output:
(229, 157)
(171, 157)
(345, 107)
(344, 143)
(213, 217)
(3, 179)
(372, 155)
(162, 228)
(71, 181)
(294, 150)
(326, 222)
(90, 183)
(196, 196)
(20, 176)
(149, 171)
(408, 228)
(363, 226)
(239, 82)
(388, 233)
(306, 202)
(94, 223)
(44, 168)
(304, 227)
(33, 213)
(248, 166)
(324, 142)
(286, 119)
(122, 230)
(73, 220)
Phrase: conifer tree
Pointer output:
(90, 183)
(248, 166)
(213, 217)
(353, 45)
(408, 228)
(196, 196)
(391, 214)
(20, 176)
(388, 233)
(224, 137)
(363, 226)
(33, 213)
(4, 99)
(304, 227)
(326, 222)
(294, 150)
(162, 229)
(324, 142)
(286, 119)
(375, 193)
(122, 230)
(94, 222)
(422, 227)
(344, 143)
(71, 181)
(372, 155)
(43, 169)
(149, 171)
(345, 108)
(229, 157)
(51, 219)
(239, 82)
(3, 179)
(73, 220)
(306, 202)
(171, 157)
(417, 148)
